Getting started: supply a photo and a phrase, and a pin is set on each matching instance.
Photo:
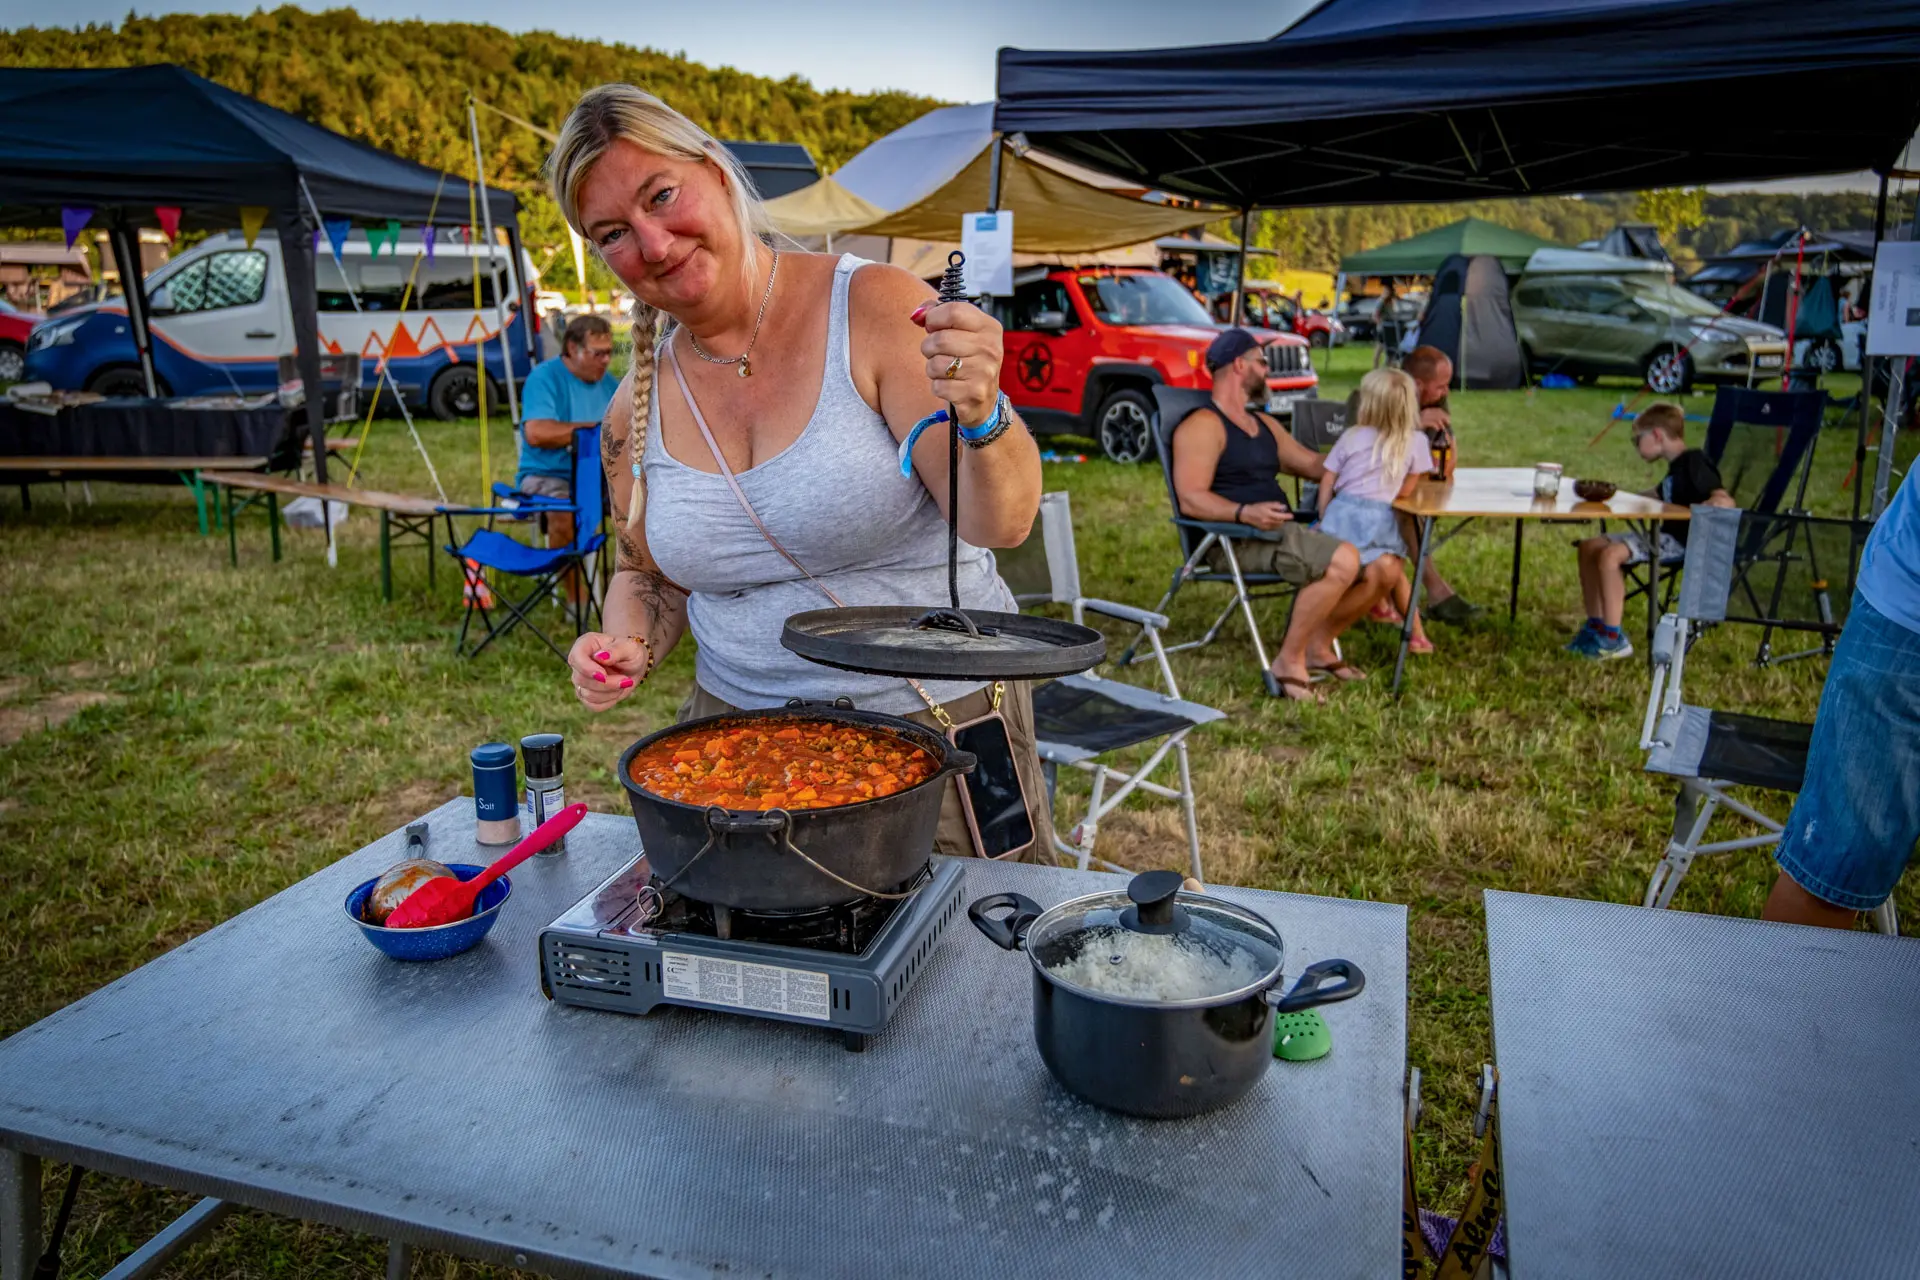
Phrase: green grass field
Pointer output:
(179, 740)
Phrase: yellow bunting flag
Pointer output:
(252, 218)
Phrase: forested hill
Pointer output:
(403, 85)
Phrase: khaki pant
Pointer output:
(952, 838)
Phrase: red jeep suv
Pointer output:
(1086, 345)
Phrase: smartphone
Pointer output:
(992, 797)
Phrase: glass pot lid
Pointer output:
(1154, 943)
(943, 643)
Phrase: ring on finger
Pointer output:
(953, 370)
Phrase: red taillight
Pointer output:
(533, 308)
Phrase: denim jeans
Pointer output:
(1854, 826)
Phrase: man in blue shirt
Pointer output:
(559, 396)
(1854, 825)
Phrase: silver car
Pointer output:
(1641, 325)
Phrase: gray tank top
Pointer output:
(836, 499)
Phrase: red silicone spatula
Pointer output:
(443, 899)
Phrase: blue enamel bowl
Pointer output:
(441, 940)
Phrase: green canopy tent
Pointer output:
(1422, 255)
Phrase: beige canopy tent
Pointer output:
(918, 181)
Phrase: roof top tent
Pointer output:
(1469, 318)
(776, 167)
(1384, 101)
(1635, 240)
(120, 141)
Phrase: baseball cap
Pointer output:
(1228, 347)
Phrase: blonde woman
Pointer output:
(1380, 457)
(797, 377)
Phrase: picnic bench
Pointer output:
(405, 513)
(191, 472)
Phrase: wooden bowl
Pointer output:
(1594, 490)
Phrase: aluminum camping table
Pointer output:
(1685, 1095)
(280, 1062)
(1506, 493)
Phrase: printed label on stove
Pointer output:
(798, 993)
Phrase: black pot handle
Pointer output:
(957, 761)
(726, 822)
(1308, 992)
(1008, 932)
(841, 703)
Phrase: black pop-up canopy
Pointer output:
(1382, 101)
(123, 140)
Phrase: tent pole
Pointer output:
(499, 303)
(1240, 275)
(303, 298)
(993, 175)
(1866, 366)
(1890, 420)
(133, 287)
(520, 289)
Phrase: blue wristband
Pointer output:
(938, 416)
(985, 429)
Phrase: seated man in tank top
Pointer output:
(1227, 461)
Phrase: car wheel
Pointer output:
(13, 362)
(1668, 371)
(1125, 429)
(120, 382)
(1317, 338)
(1823, 355)
(455, 393)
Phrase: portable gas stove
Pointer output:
(630, 948)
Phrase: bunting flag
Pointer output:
(73, 221)
(426, 241)
(169, 217)
(337, 229)
(252, 218)
(393, 236)
(377, 236)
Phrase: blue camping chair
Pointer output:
(544, 567)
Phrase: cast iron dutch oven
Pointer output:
(801, 859)
(1153, 1001)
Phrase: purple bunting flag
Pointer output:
(426, 240)
(73, 220)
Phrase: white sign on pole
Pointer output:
(987, 240)
(1893, 319)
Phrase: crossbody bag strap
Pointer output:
(740, 496)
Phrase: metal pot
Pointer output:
(1152, 1001)
(801, 859)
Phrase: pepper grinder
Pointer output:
(541, 760)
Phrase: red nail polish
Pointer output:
(920, 313)
(602, 656)
(600, 676)
(626, 682)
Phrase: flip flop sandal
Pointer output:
(1339, 670)
(1293, 682)
(1419, 646)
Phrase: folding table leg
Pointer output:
(273, 522)
(233, 538)
(386, 558)
(1513, 594)
(20, 1218)
(1424, 533)
(1652, 538)
(193, 482)
(399, 1260)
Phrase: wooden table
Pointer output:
(191, 472)
(1506, 493)
(411, 513)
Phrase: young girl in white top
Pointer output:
(1381, 456)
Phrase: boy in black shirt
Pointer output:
(1691, 479)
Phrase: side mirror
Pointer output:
(160, 302)
(1049, 321)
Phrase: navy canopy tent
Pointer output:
(123, 140)
(1382, 101)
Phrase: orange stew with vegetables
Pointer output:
(781, 764)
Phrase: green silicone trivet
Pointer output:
(1301, 1037)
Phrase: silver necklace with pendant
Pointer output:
(746, 366)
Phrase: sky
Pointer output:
(939, 50)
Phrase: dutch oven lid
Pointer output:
(1155, 943)
(943, 643)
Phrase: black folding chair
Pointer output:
(1082, 720)
(1197, 537)
(1710, 751)
(545, 567)
(1316, 424)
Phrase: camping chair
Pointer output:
(1316, 424)
(545, 567)
(1711, 751)
(1762, 443)
(1081, 719)
(1197, 537)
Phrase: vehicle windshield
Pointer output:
(1668, 298)
(1143, 298)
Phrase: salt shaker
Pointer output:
(495, 809)
(541, 758)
